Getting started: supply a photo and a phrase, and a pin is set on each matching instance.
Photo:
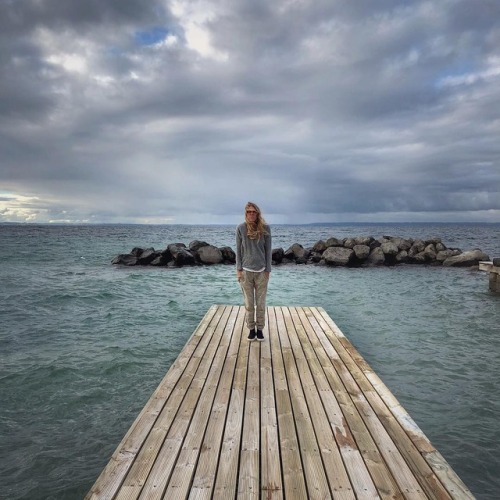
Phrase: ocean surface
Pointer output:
(83, 343)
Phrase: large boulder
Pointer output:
(208, 254)
(315, 257)
(349, 242)
(466, 259)
(160, 260)
(319, 247)
(420, 258)
(434, 240)
(334, 242)
(125, 259)
(195, 245)
(417, 247)
(147, 256)
(364, 240)
(180, 255)
(389, 248)
(430, 252)
(442, 255)
(402, 257)
(338, 256)
(137, 251)
(228, 255)
(440, 247)
(361, 251)
(401, 243)
(376, 257)
(277, 255)
(297, 252)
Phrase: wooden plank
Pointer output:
(344, 365)
(349, 427)
(422, 470)
(179, 484)
(248, 480)
(344, 447)
(271, 480)
(294, 484)
(301, 415)
(435, 460)
(110, 480)
(204, 477)
(316, 480)
(309, 371)
(227, 473)
(167, 455)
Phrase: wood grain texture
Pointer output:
(298, 416)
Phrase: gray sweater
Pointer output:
(253, 254)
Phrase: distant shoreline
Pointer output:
(304, 224)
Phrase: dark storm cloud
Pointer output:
(344, 110)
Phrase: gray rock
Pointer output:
(442, 255)
(195, 245)
(209, 254)
(180, 255)
(296, 252)
(364, 240)
(401, 243)
(466, 259)
(278, 255)
(402, 257)
(125, 259)
(361, 251)
(147, 256)
(334, 242)
(338, 256)
(158, 261)
(319, 246)
(376, 257)
(315, 257)
(228, 255)
(389, 248)
(496, 262)
(137, 251)
(435, 240)
(420, 258)
(349, 242)
(417, 247)
(430, 252)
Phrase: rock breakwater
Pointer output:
(353, 252)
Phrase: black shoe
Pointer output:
(251, 335)
(260, 335)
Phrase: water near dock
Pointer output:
(83, 344)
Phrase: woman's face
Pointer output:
(251, 214)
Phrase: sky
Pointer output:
(180, 111)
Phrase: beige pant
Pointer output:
(254, 287)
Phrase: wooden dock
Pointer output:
(298, 416)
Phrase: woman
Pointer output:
(253, 265)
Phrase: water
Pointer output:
(83, 344)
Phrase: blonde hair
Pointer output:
(255, 230)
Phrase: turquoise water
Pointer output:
(83, 344)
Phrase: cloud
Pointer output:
(183, 111)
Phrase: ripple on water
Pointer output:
(83, 344)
